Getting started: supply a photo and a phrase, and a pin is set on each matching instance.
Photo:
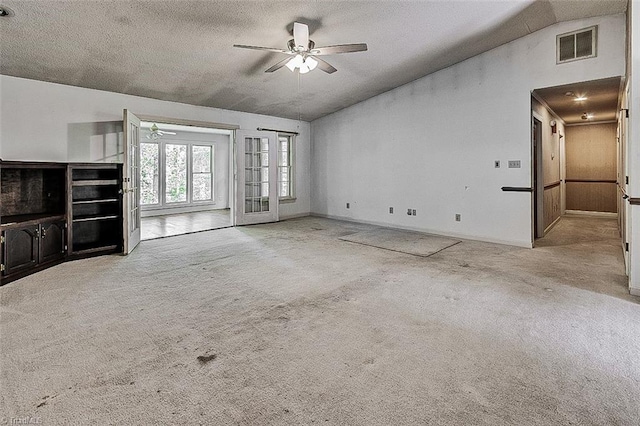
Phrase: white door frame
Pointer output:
(130, 183)
(210, 125)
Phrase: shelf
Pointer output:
(24, 219)
(80, 249)
(95, 182)
(94, 218)
(105, 200)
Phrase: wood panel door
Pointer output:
(52, 241)
(20, 249)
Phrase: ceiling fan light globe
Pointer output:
(311, 63)
(304, 68)
(291, 65)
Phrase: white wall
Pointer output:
(430, 145)
(43, 121)
(633, 149)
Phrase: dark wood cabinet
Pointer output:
(52, 212)
(28, 247)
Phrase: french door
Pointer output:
(131, 182)
(257, 172)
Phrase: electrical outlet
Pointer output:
(514, 164)
(391, 210)
(496, 164)
(457, 217)
(409, 212)
(413, 212)
(347, 205)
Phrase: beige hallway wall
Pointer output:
(591, 167)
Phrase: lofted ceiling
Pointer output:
(181, 50)
(597, 99)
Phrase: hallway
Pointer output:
(582, 242)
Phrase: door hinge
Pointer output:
(65, 247)
(2, 239)
(626, 246)
(626, 110)
(1, 267)
(626, 180)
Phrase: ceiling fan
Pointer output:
(155, 132)
(303, 54)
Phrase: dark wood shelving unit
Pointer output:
(52, 212)
(33, 218)
(96, 209)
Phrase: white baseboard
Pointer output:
(427, 231)
(592, 214)
(177, 210)
(294, 216)
(634, 291)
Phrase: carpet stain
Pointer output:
(206, 358)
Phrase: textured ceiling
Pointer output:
(181, 50)
(601, 100)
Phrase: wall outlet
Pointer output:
(413, 212)
(347, 205)
(457, 217)
(409, 212)
(514, 164)
(496, 164)
(391, 210)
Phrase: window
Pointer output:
(201, 171)
(576, 45)
(176, 173)
(149, 173)
(285, 167)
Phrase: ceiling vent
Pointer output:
(576, 45)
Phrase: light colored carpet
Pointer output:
(407, 242)
(308, 329)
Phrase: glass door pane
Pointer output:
(256, 168)
(149, 173)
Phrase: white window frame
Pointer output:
(594, 44)
(162, 203)
(292, 167)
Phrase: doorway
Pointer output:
(185, 174)
(574, 151)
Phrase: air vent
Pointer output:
(576, 45)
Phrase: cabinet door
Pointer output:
(52, 241)
(20, 249)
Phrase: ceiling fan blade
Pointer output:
(340, 48)
(301, 35)
(279, 65)
(268, 49)
(325, 66)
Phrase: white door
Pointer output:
(130, 182)
(257, 177)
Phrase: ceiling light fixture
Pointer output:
(303, 64)
(586, 116)
(4, 11)
(571, 94)
(580, 98)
